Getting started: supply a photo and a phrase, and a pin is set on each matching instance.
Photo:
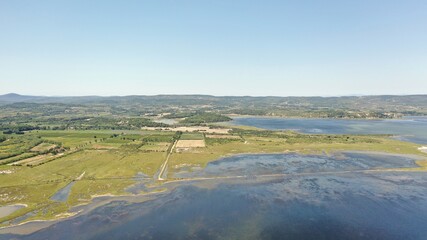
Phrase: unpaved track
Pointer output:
(165, 164)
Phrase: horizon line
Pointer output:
(210, 95)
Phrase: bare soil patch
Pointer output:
(223, 136)
(192, 129)
(43, 147)
(190, 144)
(37, 160)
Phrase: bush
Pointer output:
(200, 118)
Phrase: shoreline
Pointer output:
(423, 149)
(31, 226)
(403, 118)
(314, 118)
(10, 209)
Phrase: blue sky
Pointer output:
(221, 47)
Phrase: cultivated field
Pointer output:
(37, 160)
(224, 136)
(190, 144)
(43, 147)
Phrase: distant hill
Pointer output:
(346, 106)
(14, 97)
(359, 101)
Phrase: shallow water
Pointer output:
(63, 193)
(342, 204)
(264, 164)
(7, 210)
(412, 129)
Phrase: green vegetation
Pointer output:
(20, 124)
(198, 118)
(202, 118)
(192, 136)
(106, 171)
(15, 145)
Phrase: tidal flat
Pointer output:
(291, 196)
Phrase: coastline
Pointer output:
(9, 209)
(31, 226)
(403, 118)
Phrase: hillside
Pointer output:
(385, 106)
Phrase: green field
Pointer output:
(192, 136)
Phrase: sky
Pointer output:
(215, 47)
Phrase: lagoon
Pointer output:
(412, 129)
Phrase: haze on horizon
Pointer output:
(258, 48)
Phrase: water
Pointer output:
(7, 210)
(63, 193)
(412, 129)
(265, 164)
(300, 202)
